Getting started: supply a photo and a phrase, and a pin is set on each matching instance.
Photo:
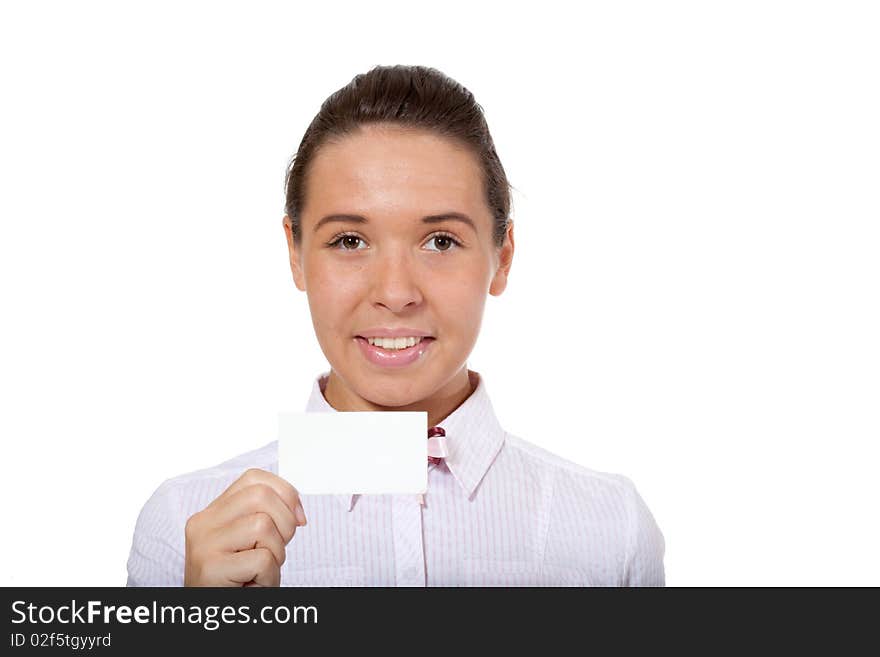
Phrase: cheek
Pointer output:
(331, 296)
(460, 299)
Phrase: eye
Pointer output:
(347, 240)
(445, 239)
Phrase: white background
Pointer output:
(693, 300)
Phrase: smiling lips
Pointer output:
(394, 351)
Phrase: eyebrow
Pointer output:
(430, 219)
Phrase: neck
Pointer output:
(438, 406)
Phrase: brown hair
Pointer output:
(413, 97)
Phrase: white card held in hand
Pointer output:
(366, 452)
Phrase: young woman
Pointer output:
(397, 225)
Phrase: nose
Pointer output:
(395, 283)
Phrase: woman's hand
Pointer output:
(239, 539)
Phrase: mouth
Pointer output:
(394, 352)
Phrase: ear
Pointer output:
(505, 260)
(295, 255)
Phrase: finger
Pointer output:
(285, 490)
(258, 498)
(256, 530)
(257, 566)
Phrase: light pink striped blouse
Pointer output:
(499, 511)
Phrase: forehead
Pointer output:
(388, 169)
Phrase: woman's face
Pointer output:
(393, 269)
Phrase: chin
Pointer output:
(391, 395)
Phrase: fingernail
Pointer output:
(300, 515)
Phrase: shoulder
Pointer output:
(192, 491)
(570, 477)
(596, 519)
(265, 457)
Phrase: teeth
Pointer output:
(394, 343)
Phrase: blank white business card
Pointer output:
(366, 452)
